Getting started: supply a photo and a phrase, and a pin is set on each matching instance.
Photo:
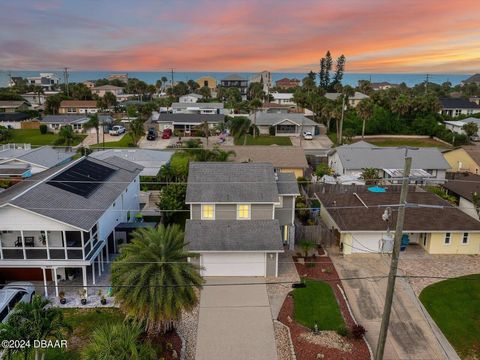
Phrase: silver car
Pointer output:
(13, 293)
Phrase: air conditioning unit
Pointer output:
(386, 243)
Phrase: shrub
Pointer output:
(342, 331)
(271, 130)
(306, 246)
(323, 169)
(357, 331)
(43, 129)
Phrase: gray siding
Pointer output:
(262, 211)
(229, 211)
(196, 211)
(225, 212)
(284, 214)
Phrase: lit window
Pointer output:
(243, 212)
(208, 212)
(465, 239)
(447, 238)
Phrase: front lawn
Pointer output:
(124, 142)
(454, 304)
(317, 303)
(265, 140)
(34, 137)
(427, 142)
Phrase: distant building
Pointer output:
(352, 100)
(11, 106)
(474, 79)
(283, 98)
(384, 85)
(89, 84)
(235, 81)
(121, 77)
(55, 122)
(188, 122)
(13, 120)
(190, 98)
(287, 83)
(475, 99)
(197, 108)
(458, 106)
(36, 99)
(78, 107)
(46, 80)
(102, 90)
(457, 126)
(265, 78)
(283, 124)
(464, 159)
(207, 81)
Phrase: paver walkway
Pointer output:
(235, 321)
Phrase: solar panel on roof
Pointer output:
(82, 178)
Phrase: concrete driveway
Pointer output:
(318, 142)
(235, 321)
(410, 334)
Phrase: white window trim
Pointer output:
(463, 237)
(249, 212)
(201, 212)
(449, 239)
(280, 202)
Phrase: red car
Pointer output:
(167, 133)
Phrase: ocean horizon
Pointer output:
(151, 77)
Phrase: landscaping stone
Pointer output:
(187, 329)
(282, 338)
(329, 339)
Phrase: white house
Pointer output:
(66, 219)
(190, 98)
(46, 80)
(352, 100)
(458, 106)
(283, 124)
(283, 98)
(197, 108)
(102, 90)
(457, 126)
(77, 122)
(389, 161)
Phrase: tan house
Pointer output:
(102, 90)
(11, 106)
(464, 159)
(78, 107)
(89, 84)
(283, 158)
(208, 81)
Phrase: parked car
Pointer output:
(13, 293)
(475, 138)
(152, 134)
(307, 135)
(117, 130)
(167, 133)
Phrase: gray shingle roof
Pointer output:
(270, 119)
(287, 183)
(72, 119)
(355, 158)
(200, 105)
(458, 103)
(234, 77)
(233, 235)
(231, 182)
(278, 156)
(45, 156)
(65, 206)
(191, 118)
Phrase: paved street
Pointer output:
(235, 321)
(410, 335)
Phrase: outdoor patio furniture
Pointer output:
(29, 241)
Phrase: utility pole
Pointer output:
(172, 76)
(426, 83)
(382, 337)
(65, 79)
(340, 136)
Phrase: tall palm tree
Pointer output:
(41, 320)
(365, 111)
(239, 127)
(66, 136)
(136, 130)
(152, 280)
(118, 342)
(253, 106)
(93, 122)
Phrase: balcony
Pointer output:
(47, 245)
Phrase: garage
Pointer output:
(233, 264)
(363, 242)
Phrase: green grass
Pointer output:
(406, 142)
(83, 322)
(265, 140)
(125, 141)
(454, 304)
(333, 137)
(34, 137)
(317, 303)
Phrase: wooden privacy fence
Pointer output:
(318, 233)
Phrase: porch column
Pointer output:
(108, 258)
(276, 266)
(83, 245)
(23, 245)
(45, 282)
(101, 259)
(114, 243)
(93, 272)
(56, 281)
(99, 266)
(46, 244)
(84, 273)
(65, 243)
(1, 251)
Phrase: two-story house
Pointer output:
(241, 216)
(65, 218)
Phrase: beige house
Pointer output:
(464, 159)
(78, 107)
(208, 81)
(11, 106)
(102, 90)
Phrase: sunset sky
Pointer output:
(382, 36)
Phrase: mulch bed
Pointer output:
(305, 350)
(161, 342)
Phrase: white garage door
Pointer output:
(233, 264)
(365, 242)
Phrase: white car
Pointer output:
(13, 293)
(116, 130)
(307, 135)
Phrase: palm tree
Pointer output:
(254, 105)
(370, 176)
(152, 280)
(66, 136)
(41, 320)
(164, 81)
(365, 111)
(239, 127)
(93, 122)
(136, 130)
(118, 342)
(222, 155)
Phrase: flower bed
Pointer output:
(327, 344)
